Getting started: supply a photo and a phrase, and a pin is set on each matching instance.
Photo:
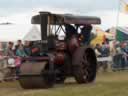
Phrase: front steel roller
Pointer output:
(84, 65)
(35, 75)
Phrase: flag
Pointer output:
(121, 34)
(124, 6)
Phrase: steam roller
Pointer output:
(60, 58)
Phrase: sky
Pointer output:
(80, 6)
(20, 11)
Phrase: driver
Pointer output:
(70, 30)
(86, 33)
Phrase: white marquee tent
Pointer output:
(14, 32)
(33, 34)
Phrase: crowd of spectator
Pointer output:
(102, 51)
(119, 54)
(21, 50)
(121, 57)
(14, 53)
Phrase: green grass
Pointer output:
(106, 84)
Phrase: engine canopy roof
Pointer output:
(57, 19)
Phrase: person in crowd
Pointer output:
(86, 32)
(10, 75)
(10, 51)
(27, 48)
(105, 49)
(112, 48)
(124, 50)
(2, 55)
(98, 50)
(118, 48)
(19, 43)
(20, 51)
(105, 53)
(70, 30)
(35, 50)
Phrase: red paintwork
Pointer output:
(59, 58)
(73, 44)
(61, 47)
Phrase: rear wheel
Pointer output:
(84, 65)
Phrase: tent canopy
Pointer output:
(18, 32)
(33, 34)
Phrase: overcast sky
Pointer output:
(16, 11)
(9, 7)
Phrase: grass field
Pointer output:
(106, 84)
